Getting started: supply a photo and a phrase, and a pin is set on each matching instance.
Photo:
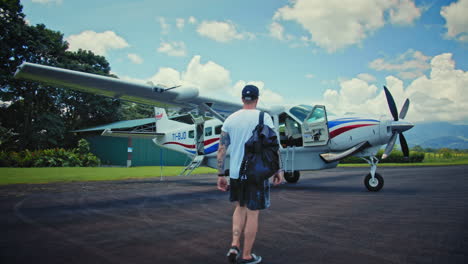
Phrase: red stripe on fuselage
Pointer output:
(341, 130)
(207, 142)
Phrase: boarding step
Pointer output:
(195, 163)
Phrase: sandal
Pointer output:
(232, 254)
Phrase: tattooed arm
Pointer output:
(224, 143)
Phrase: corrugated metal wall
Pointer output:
(113, 151)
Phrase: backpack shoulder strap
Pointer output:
(261, 117)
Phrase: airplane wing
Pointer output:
(184, 98)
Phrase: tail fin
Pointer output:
(160, 114)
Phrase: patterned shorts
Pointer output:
(254, 196)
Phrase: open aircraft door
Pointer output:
(315, 127)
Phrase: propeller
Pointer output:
(397, 126)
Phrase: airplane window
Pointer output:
(218, 130)
(208, 131)
(317, 116)
(191, 134)
(301, 111)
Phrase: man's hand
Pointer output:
(222, 184)
(278, 177)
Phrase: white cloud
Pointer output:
(99, 43)
(441, 96)
(180, 23)
(165, 27)
(209, 77)
(457, 20)
(404, 12)
(212, 80)
(221, 31)
(408, 65)
(58, 2)
(192, 20)
(166, 76)
(335, 24)
(135, 58)
(367, 77)
(267, 97)
(276, 30)
(309, 76)
(176, 49)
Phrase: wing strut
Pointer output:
(207, 107)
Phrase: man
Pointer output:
(250, 198)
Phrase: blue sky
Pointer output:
(337, 52)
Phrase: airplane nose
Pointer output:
(401, 126)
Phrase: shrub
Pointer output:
(57, 157)
(395, 157)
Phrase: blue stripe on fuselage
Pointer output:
(208, 150)
(338, 122)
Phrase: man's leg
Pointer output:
(250, 232)
(238, 223)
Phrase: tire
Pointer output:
(376, 185)
(292, 177)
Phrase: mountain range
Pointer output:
(438, 135)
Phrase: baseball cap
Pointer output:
(250, 92)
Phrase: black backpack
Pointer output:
(261, 159)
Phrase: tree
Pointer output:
(40, 116)
(30, 104)
(135, 111)
(446, 153)
(418, 148)
(81, 110)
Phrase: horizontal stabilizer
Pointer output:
(336, 156)
(133, 134)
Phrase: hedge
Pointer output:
(58, 157)
(395, 157)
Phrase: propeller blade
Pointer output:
(404, 146)
(404, 109)
(389, 147)
(391, 104)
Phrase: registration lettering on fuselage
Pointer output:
(179, 136)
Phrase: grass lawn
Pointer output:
(68, 174)
(462, 160)
(407, 164)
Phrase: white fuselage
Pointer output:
(182, 138)
(344, 133)
(347, 132)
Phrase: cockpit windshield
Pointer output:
(301, 111)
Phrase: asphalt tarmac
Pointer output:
(420, 216)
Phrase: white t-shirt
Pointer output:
(239, 126)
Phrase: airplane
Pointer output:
(309, 137)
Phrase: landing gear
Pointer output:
(374, 184)
(373, 181)
(292, 177)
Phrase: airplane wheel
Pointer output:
(292, 177)
(374, 185)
